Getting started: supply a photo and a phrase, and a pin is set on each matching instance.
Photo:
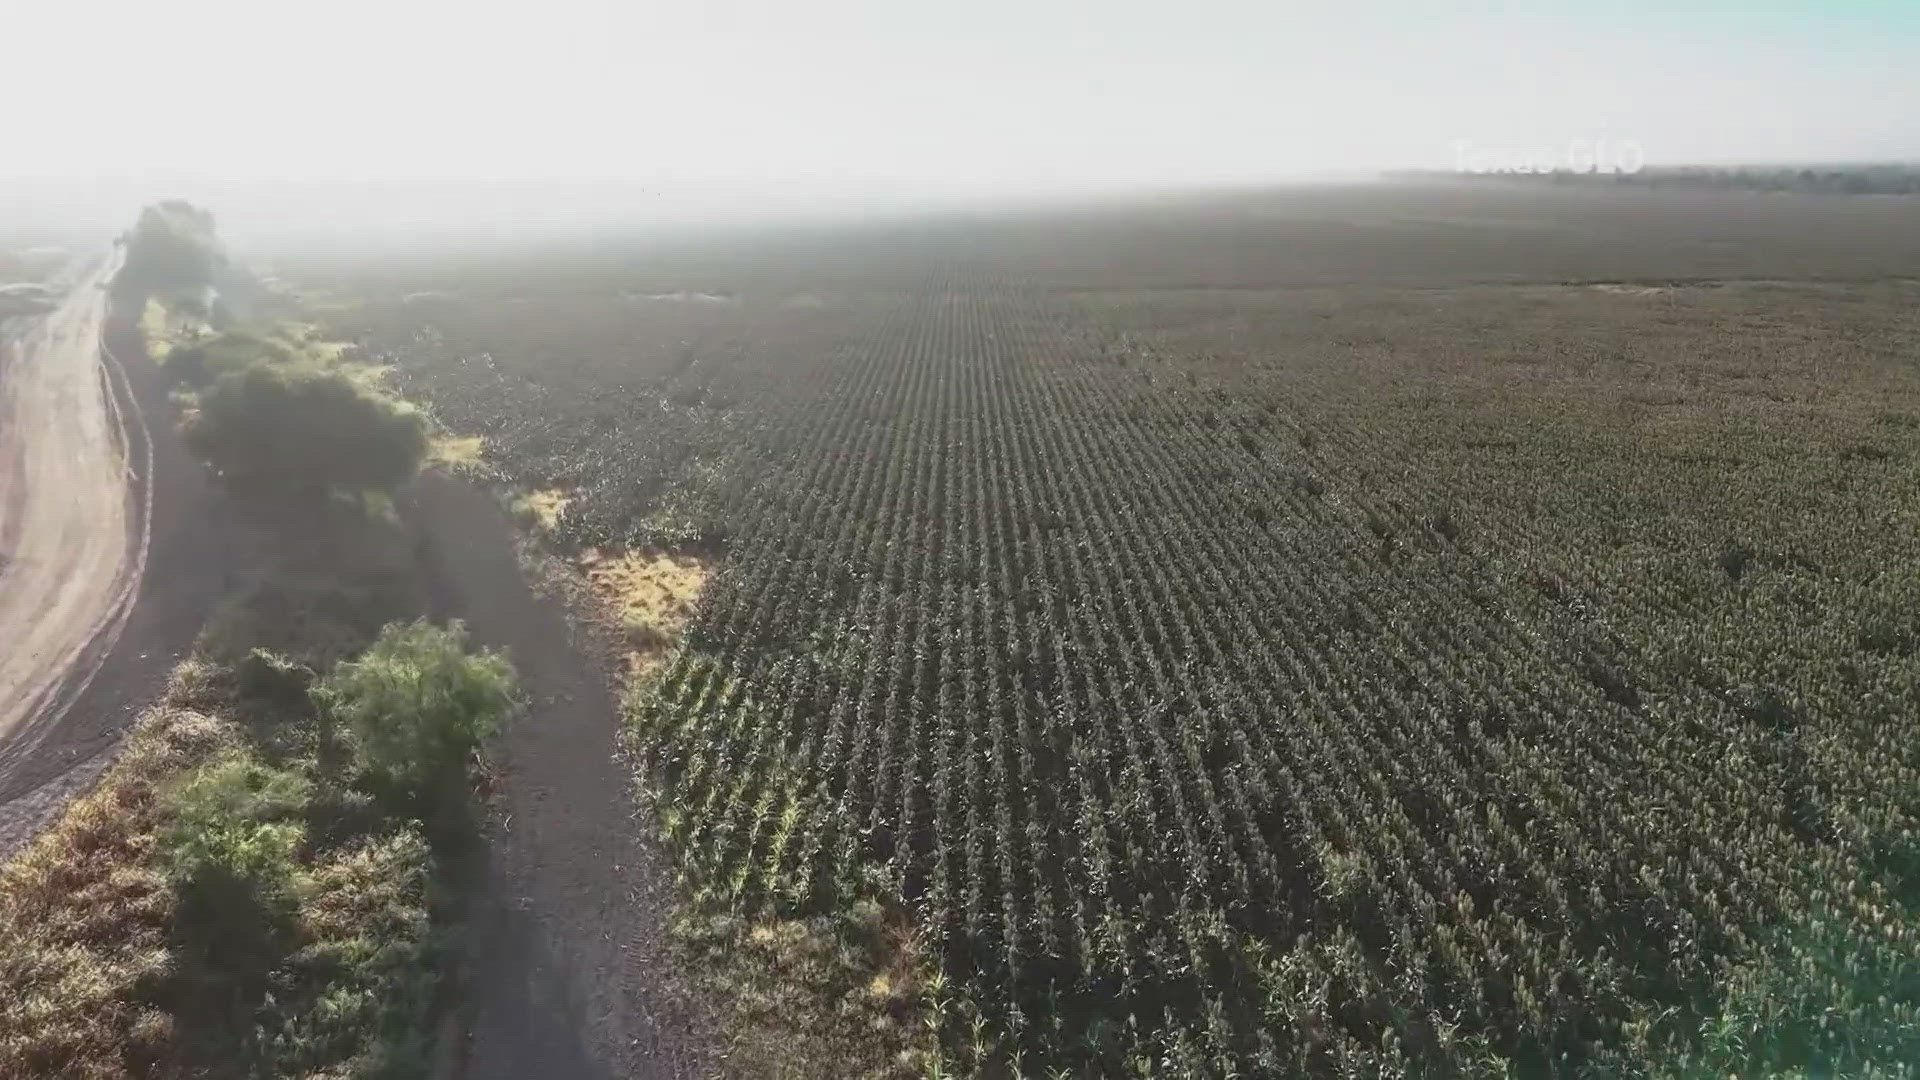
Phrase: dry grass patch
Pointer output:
(841, 995)
(456, 451)
(540, 509)
(370, 376)
(650, 595)
(309, 339)
(85, 913)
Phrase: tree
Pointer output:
(172, 248)
(304, 429)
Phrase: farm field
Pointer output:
(1335, 632)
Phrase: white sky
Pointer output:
(743, 98)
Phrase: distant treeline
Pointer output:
(1811, 179)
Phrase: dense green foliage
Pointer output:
(417, 705)
(222, 906)
(233, 831)
(235, 898)
(304, 429)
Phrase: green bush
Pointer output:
(232, 832)
(416, 706)
(357, 992)
(304, 429)
(234, 821)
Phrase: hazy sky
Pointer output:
(745, 97)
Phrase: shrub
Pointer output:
(233, 830)
(417, 704)
(229, 845)
(358, 990)
(304, 429)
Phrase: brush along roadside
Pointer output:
(226, 904)
(263, 882)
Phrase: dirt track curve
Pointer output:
(114, 547)
(73, 521)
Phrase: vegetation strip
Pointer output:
(265, 881)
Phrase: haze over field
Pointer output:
(436, 112)
(1020, 538)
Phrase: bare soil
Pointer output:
(566, 970)
(194, 550)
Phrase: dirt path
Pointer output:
(95, 484)
(72, 541)
(567, 971)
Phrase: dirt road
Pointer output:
(73, 521)
(569, 971)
